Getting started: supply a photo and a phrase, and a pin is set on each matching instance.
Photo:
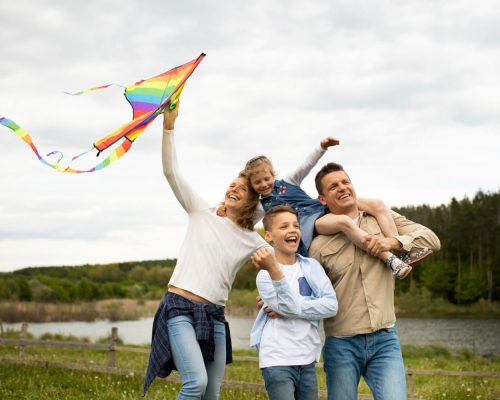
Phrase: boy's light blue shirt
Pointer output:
(278, 296)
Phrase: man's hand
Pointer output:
(271, 313)
(375, 245)
(169, 117)
(328, 142)
(264, 258)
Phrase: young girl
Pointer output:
(190, 333)
(274, 191)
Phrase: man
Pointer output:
(361, 340)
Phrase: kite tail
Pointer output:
(26, 138)
(113, 156)
(94, 88)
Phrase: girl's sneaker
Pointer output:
(399, 268)
(415, 256)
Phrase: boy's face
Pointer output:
(262, 181)
(284, 233)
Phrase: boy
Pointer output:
(297, 289)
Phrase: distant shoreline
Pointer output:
(133, 309)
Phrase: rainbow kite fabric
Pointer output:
(148, 99)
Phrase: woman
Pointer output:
(190, 332)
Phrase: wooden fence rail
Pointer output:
(112, 348)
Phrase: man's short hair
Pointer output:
(325, 170)
(273, 212)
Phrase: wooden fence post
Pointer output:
(22, 345)
(409, 372)
(112, 350)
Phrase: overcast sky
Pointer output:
(411, 89)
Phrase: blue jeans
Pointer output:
(200, 379)
(291, 382)
(375, 356)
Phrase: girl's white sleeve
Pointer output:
(297, 176)
(186, 196)
(259, 213)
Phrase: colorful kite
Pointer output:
(148, 99)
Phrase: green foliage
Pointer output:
(140, 280)
(440, 279)
(467, 268)
(59, 337)
(429, 351)
(245, 278)
(41, 292)
(23, 290)
(87, 290)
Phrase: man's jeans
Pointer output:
(200, 379)
(297, 382)
(375, 356)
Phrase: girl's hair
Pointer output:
(246, 218)
(257, 162)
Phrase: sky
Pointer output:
(410, 88)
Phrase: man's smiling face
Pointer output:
(338, 193)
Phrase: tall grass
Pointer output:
(419, 303)
(415, 303)
(114, 310)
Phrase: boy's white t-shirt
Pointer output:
(290, 341)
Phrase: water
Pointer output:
(479, 336)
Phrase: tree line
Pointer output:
(467, 268)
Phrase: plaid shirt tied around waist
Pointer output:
(161, 362)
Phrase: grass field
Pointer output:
(28, 382)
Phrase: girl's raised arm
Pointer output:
(297, 176)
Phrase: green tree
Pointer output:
(137, 274)
(23, 289)
(86, 290)
(41, 292)
(158, 275)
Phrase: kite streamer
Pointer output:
(148, 98)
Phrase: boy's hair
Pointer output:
(325, 170)
(257, 162)
(272, 212)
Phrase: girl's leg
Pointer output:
(215, 369)
(379, 210)
(331, 224)
(187, 357)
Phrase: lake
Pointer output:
(479, 336)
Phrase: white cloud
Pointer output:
(410, 88)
